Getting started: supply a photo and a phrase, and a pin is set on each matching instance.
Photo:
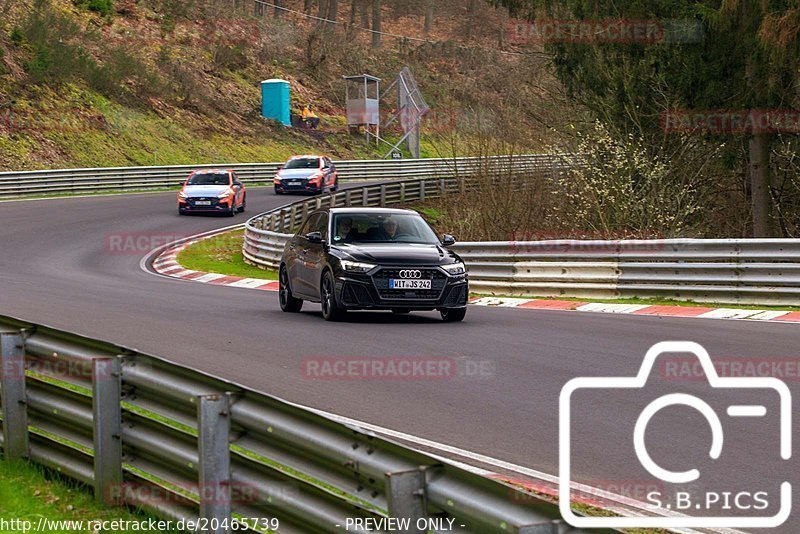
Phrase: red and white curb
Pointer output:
(640, 309)
(166, 264)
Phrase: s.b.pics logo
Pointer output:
(699, 443)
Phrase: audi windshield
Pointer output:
(382, 228)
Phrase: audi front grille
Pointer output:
(437, 277)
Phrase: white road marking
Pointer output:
(181, 274)
(602, 307)
(768, 315)
(500, 302)
(209, 277)
(730, 313)
(250, 283)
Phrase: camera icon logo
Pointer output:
(676, 520)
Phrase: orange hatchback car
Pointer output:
(212, 191)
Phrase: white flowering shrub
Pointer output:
(624, 191)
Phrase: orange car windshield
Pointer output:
(302, 163)
(209, 179)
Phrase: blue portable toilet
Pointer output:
(275, 101)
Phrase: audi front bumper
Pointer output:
(372, 291)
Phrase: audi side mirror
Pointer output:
(314, 237)
(448, 240)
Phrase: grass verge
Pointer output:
(222, 254)
(29, 492)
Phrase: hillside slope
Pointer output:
(143, 82)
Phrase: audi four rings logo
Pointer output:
(410, 273)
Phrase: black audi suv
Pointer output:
(372, 259)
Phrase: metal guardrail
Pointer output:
(731, 271)
(146, 432)
(266, 234)
(28, 183)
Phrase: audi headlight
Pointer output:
(356, 267)
(455, 268)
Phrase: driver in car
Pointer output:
(390, 230)
(345, 230)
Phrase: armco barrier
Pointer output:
(182, 444)
(20, 184)
(732, 271)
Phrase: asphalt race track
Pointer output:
(57, 267)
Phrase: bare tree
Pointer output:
(472, 10)
(376, 23)
(428, 16)
(333, 11)
(307, 4)
(364, 6)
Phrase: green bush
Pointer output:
(16, 36)
(41, 64)
(103, 7)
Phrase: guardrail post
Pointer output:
(305, 211)
(365, 196)
(274, 222)
(292, 216)
(462, 184)
(213, 438)
(283, 221)
(383, 196)
(333, 199)
(442, 186)
(407, 497)
(107, 411)
(402, 191)
(348, 199)
(15, 409)
(422, 189)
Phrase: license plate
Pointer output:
(409, 284)
(203, 203)
(295, 183)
